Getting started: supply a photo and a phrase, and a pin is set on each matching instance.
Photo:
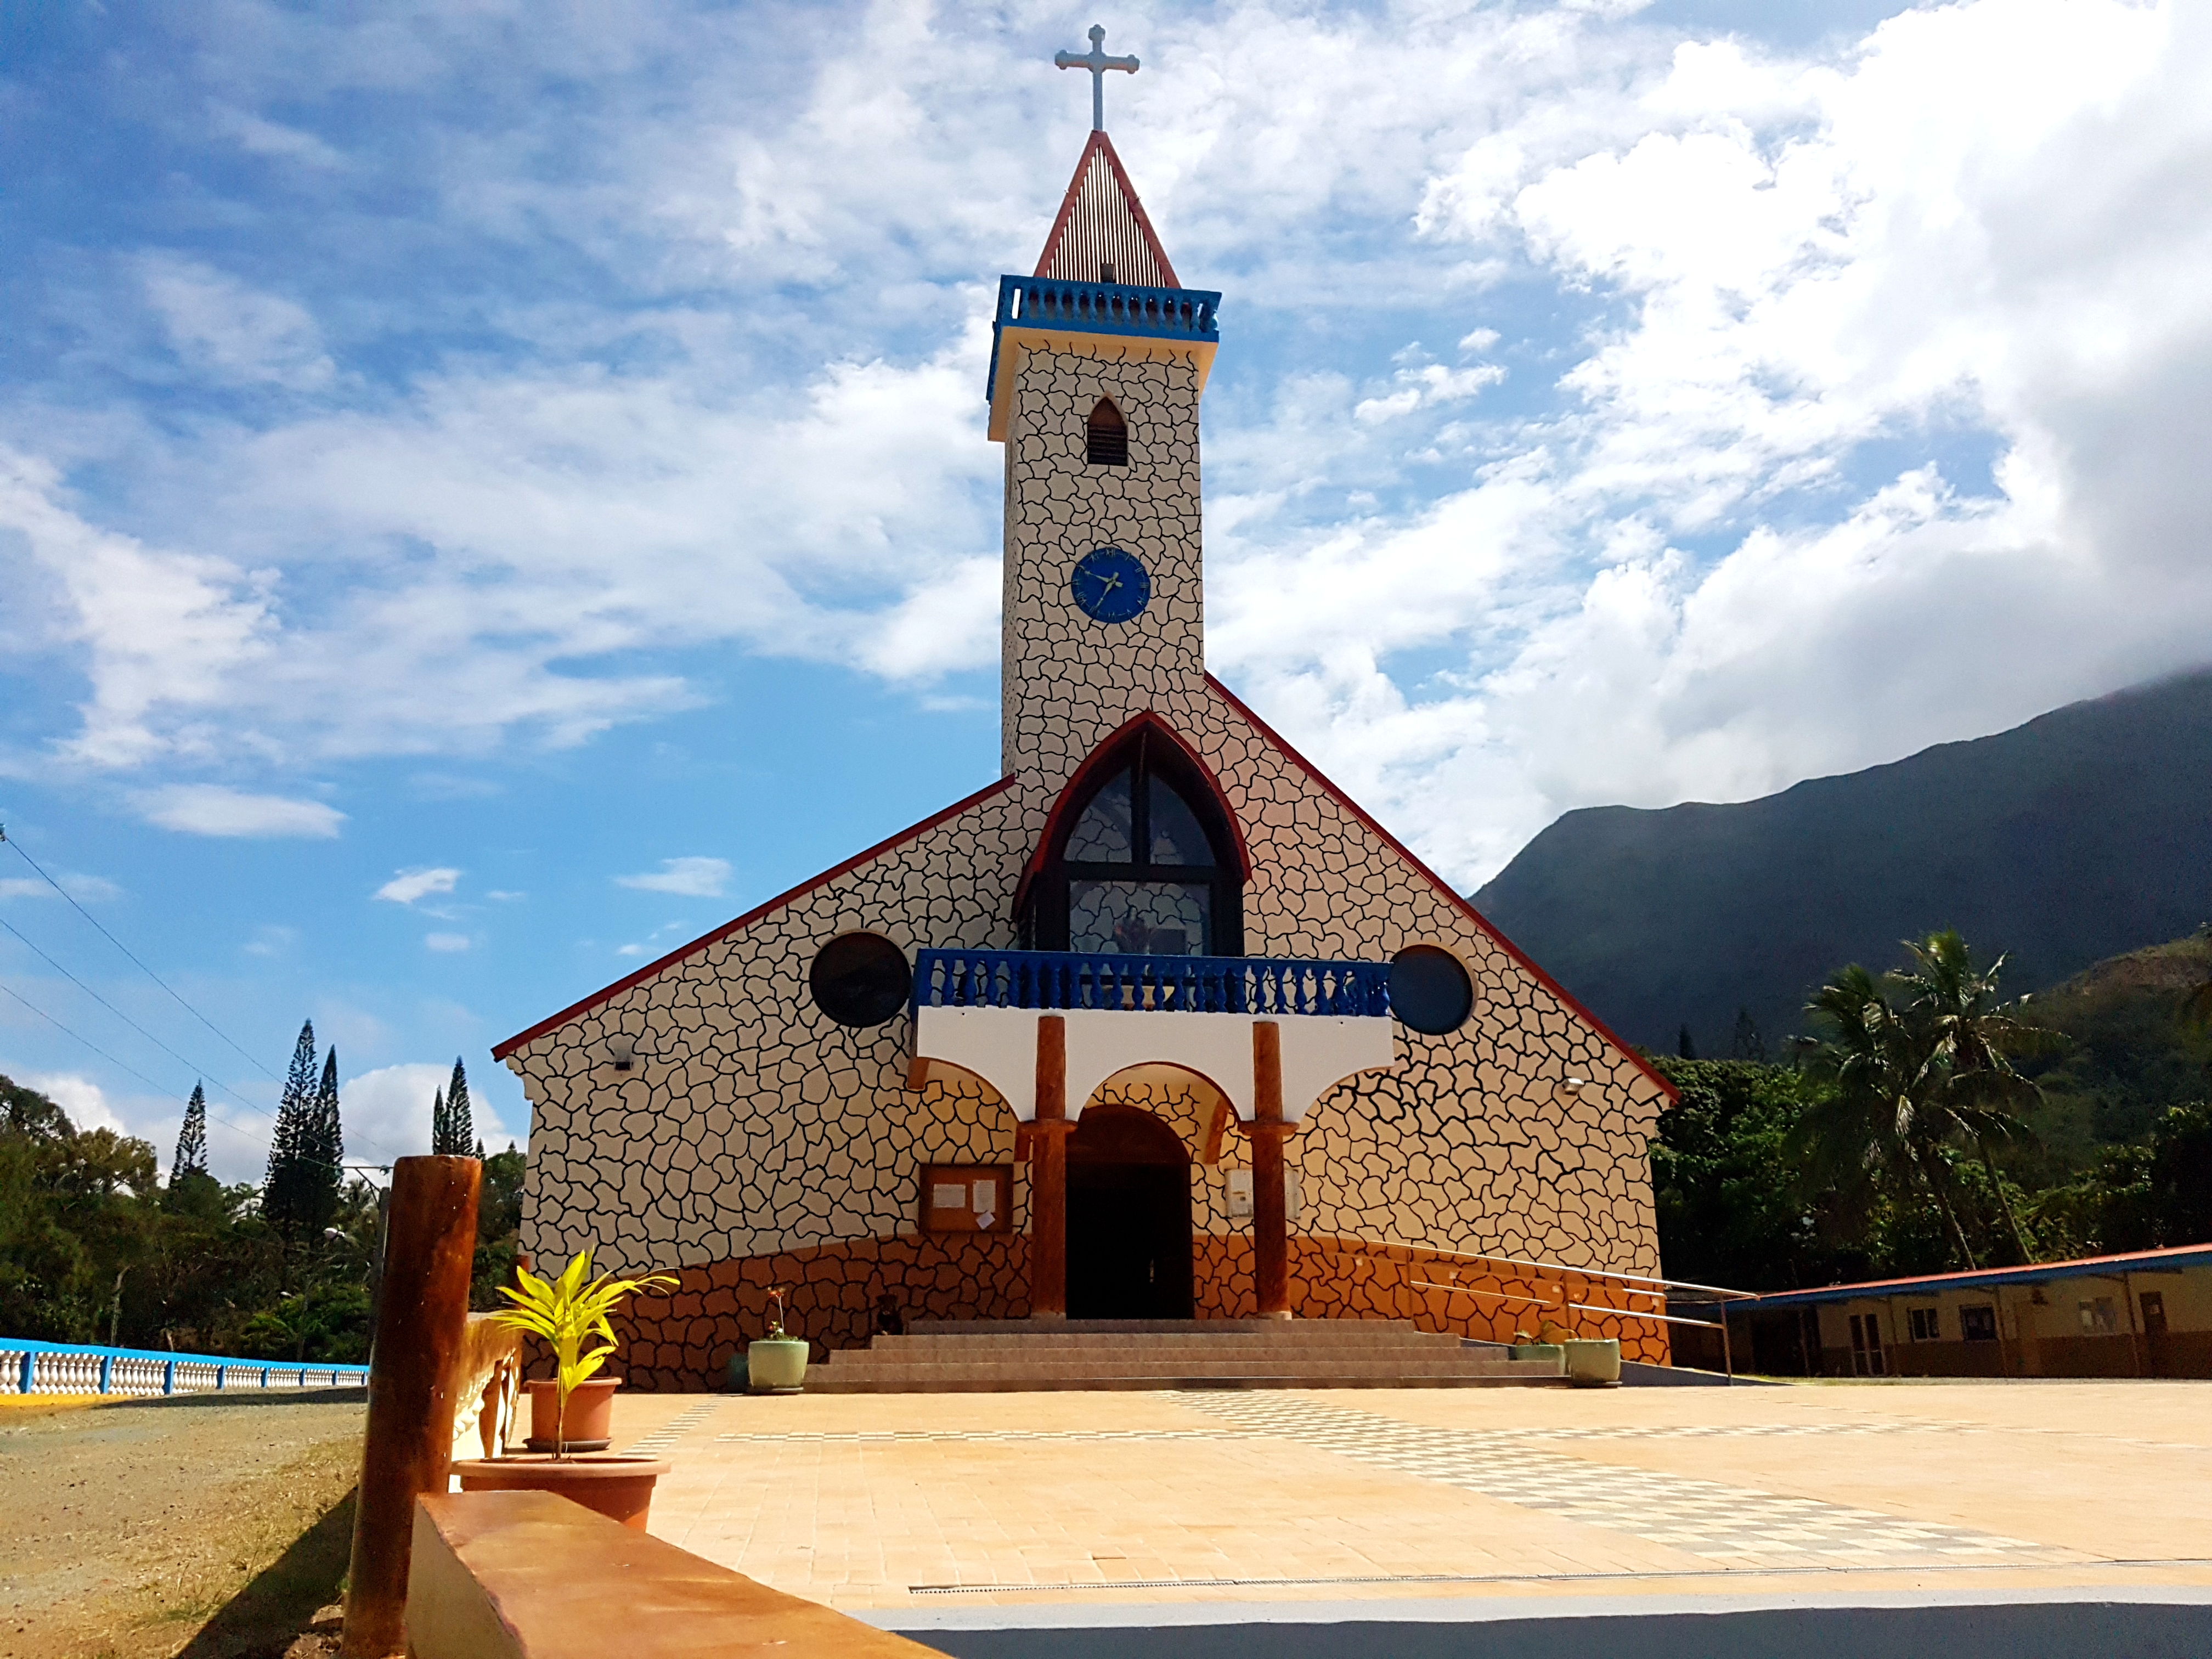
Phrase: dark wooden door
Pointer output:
(1128, 1218)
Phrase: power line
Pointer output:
(161, 1087)
(127, 952)
(198, 1070)
(184, 1059)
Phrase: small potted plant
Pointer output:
(1541, 1348)
(776, 1362)
(1589, 1362)
(569, 1313)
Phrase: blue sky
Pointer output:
(488, 491)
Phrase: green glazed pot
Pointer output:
(775, 1365)
(1541, 1354)
(1594, 1363)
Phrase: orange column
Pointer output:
(1049, 1174)
(1271, 1243)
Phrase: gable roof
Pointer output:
(1458, 900)
(1102, 223)
(554, 1022)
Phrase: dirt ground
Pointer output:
(194, 1527)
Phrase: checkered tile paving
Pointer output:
(873, 1435)
(1738, 1524)
(675, 1428)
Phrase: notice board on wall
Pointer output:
(967, 1197)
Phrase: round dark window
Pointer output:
(1429, 990)
(860, 979)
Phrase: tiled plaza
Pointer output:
(890, 1502)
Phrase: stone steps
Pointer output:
(943, 1357)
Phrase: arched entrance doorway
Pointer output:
(1128, 1218)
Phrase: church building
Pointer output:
(1158, 1025)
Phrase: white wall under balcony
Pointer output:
(1000, 1046)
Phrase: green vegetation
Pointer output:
(1931, 1125)
(95, 1248)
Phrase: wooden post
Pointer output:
(408, 1449)
(1049, 1174)
(1271, 1244)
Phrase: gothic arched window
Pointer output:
(1142, 862)
(1107, 436)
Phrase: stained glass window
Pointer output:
(1147, 866)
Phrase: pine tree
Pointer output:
(457, 1112)
(191, 1139)
(442, 1124)
(325, 1169)
(1684, 1047)
(285, 1199)
(1748, 1044)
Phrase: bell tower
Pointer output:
(1097, 363)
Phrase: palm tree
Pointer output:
(1967, 1038)
(1877, 1119)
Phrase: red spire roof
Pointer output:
(1102, 235)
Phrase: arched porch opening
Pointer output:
(1128, 1217)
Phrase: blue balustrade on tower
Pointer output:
(1060, 979)
(1155, 313)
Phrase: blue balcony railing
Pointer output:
(1207, 985)
(1160, 313)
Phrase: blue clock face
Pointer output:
(1110, 584)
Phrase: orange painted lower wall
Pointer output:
(682, 1340)
(1352, 1278)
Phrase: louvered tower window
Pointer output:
(1107, 436)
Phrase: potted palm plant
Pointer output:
(776, 1362)
(569, 1313)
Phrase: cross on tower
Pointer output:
(1098, 63)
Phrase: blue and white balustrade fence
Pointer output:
(28, 1367)
(1263, 986)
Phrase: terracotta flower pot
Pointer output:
(776, 1365)
(620, 1488)
(590, 1427)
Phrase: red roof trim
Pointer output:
(1443, 886)
(745, 920)
(1108, 748)
(1099, 141)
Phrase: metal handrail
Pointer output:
(1558, 1267)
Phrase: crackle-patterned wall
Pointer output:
(1066, 681)
(754, 1141)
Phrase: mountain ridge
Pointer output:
(2080, 834)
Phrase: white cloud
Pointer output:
(1810, 404)
(693, 877)
(209, 809)
(389, 1108)
(84, 1101)
(231, 332)
(446, 942)
(86, 889)
(408, 886)
(271, 939)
